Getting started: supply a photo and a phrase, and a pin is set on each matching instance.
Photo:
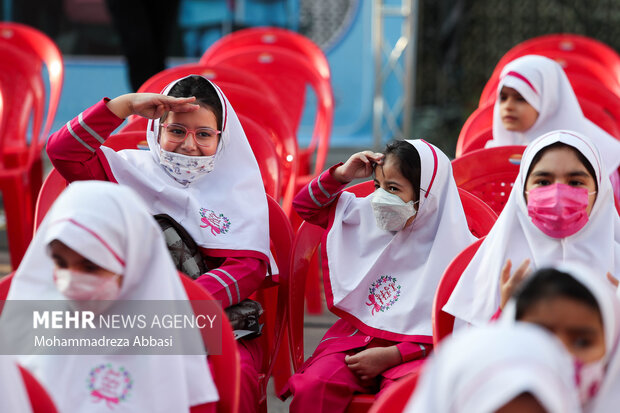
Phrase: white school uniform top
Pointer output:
(109, 225)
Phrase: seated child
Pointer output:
(99, 242)
(382, 259)
(581, 309)
(200, 171)
(497, 369)
(535, 97)
(560, 208)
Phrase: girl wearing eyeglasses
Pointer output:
(200, 171)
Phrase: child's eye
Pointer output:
(377, 186)
(582, 343)
(177, 131)
(542, 182)
(520, 99)
(502, 97)
(392, 189)
(575, 183)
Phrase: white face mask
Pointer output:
(589, 377)
(183, 168)
(391, 212)
(87, 291)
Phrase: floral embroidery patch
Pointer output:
(109, 385)
(218, 223)
(383, 294)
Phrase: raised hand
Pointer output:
(359, 165)
(509, 283)
(150, 105)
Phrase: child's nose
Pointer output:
(189, 142)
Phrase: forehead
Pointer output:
(389, 170)
(509, 91)
(560, 161)
(201, 117)
(565, 313)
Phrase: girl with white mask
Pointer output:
(382, 257)
(200, 171)
(581, 309)
(98, 242)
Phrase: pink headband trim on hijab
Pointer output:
(94, 234)
(523, 78)
(430, 185)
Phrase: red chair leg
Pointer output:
(19, 212)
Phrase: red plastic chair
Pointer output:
(273, 296)
(271, 36)
(489, 173)
(36, 43)
(443, 323)
(573, 65)
(569, 43)
(288, 75)
(480, 122)
(40, 400)
(23, 107)
(395, 398)
(226, 367)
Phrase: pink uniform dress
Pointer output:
(381, 265)
(237, 253)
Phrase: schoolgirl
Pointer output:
(200, 171)
(497, 369)
(98, 242)
(534, 97)
(579, 307)
(383, 257)
(561, 208)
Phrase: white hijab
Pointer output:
(110, 225)
(476, 296)
(544, 85)
(13, 393)
(609, 306)
(232, 194)
(480, 370)
(364, 259)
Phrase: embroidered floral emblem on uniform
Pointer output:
(218, 223)
(109, 385)
(383, 294)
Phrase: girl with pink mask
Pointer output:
(561, 208)
(534, 97)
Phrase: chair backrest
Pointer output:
(271, 36)
(275, 301)
(568, 43)
(52, 186)
(31, 40)
(288, 75)
(226, 367)
(219, 74)
(23, 106)
(395, 397)
(40, 400)
(489, 173)
(443, 323)
(305, 247)
(480, 217)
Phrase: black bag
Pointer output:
(183, 249)
(186, 255)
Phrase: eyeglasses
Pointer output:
(178, 133)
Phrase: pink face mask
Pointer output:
(558, 210)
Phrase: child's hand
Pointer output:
(508, 283)
(359, 165)
(150, 105)
(369, 363)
